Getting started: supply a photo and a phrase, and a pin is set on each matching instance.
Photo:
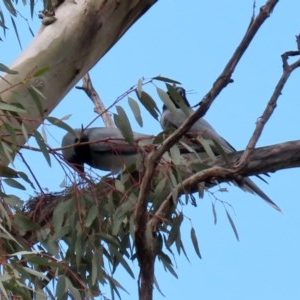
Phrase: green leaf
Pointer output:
(24, 131)
(7, 70)
(175, 155)
(32, 2)
(14, 183)
(214, 212)
(36, 96)
(167, 263)
(36, 273)
(74, 292)
(6, 149)
(25, 177)
(42, 145)
(232, 225)
(139, 87)
(122, 122)
(166, 100)
(8, 4)
(166, 79)
(59, 213)
(121, 212)
(2, 288)
(91, 216)
(41, 71)
(207, 147)
(24, 223)
(195, 242)
(11, 107)
(149, 104)
(8, 172)
(136, 110)
(59, 123)
(13, 201)
(61, 287)
(123, 262)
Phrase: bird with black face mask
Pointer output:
(173, 117)
(102, 148)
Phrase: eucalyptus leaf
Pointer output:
(122, 122)
(195, 242)
(232, 225)
(166, 79)
(14, 183)
(136, 110)
(149, 104)
(42, 145)
(5, 69)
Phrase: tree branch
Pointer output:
(287, 70)
(89, 89)
(153, 158)
(261, 160)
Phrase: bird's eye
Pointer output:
(181, 91)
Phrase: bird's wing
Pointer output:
(201, 127)
(106, 140)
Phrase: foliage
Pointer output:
(81, 236)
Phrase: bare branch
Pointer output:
(287, 70)
(155, 155)
(261, 160)
(89, 89)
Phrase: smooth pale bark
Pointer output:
(83, 32)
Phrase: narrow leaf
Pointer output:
(43, 147)
(166, 79)
(36, 96)
(10, 7)
(7, 70)
(41, 71)
(232, 225)
(11, 107)
(15, 184)
(25, 177)
(195, 242)
(122, 122)
(8, 172)
(91, 216)
(214, 212)
(59, 123)
(165, 98)
(136, 110)
(139, 87)
(149, 104)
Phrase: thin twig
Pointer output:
(287, 71)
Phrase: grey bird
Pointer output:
(172, 118)
(102, 148)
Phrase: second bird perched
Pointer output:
(172, 119)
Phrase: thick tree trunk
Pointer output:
(82, 33)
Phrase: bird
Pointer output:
(173, 117)
(102, 148)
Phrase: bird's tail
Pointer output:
(250, 186)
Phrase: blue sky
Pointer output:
(191, 41)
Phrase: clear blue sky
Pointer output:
(191, 41)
